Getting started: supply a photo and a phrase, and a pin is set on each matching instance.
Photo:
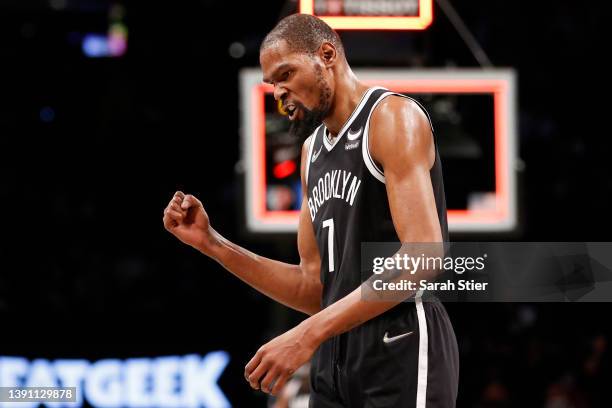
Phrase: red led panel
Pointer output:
(363, 22)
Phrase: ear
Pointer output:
(328, 54)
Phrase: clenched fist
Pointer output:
(187, 220)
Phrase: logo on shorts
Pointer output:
(388, 339)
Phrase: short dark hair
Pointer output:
(303, 33)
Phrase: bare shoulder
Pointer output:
(304, 160)
(306, 145)
(395, 112)
(400, 128)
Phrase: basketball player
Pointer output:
(370, 172)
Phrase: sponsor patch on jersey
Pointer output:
(351, 146)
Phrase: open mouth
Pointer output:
(291, 110)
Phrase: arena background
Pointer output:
(93, 148)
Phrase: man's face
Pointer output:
(300, 83)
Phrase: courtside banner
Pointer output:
(189, 381)
(487, 271)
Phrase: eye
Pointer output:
(285, 75)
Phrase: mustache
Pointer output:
(297, 105)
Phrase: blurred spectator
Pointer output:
(296, 392)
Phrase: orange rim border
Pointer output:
(456, 217)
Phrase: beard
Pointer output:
(312, 118)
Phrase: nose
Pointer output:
(279, 92)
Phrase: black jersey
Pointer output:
(347, 199)
(348, 205)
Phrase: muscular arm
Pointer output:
(296, 286)
(401, 141)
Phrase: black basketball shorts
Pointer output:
(404, 358)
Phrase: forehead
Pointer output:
(278, 55)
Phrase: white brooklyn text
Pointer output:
(336, 184)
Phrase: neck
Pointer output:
(348, 93)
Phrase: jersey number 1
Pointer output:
(330, 243)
